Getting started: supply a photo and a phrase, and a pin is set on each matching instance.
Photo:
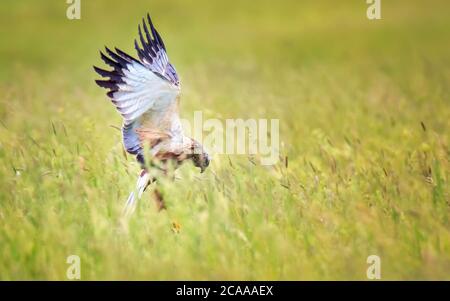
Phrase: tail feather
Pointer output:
(142, 183)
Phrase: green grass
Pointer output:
(364, 115)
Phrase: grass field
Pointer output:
(364, 112)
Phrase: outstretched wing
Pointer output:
(144, 91)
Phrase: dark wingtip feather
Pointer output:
(143, 42)
(150, 22)
(141, 53)
(107, 84)
(155, 33)
(147, 45)
(160, 41)
(109, 51)
(117, 67)
(125, 55)
(100, 83)
(99, 71)
(147, 33)
(113, 75)
(152, 28)
(120, 60)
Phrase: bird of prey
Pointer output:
(146, 92)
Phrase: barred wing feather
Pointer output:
(141, 89)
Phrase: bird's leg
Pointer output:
(159, 199)
(157, 195)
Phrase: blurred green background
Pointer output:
(364, 116)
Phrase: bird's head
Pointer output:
(199, 157)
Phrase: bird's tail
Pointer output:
(142, 183)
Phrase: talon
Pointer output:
(159, 200)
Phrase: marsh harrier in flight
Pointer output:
(146, 92)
